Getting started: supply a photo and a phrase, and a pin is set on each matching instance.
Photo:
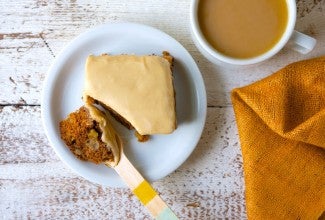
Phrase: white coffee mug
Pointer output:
(293, 39)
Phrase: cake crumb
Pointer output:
(141, 138)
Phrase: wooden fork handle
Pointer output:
(143, 190)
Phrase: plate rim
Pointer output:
(53, 72)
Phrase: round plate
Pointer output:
(62, 92)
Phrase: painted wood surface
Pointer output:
(34, 183)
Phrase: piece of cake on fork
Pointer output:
(90, 137)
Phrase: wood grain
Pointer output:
(31, 38)
(22, 136)
(34, 183)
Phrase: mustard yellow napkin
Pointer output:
(281, 123)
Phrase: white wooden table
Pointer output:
(34, 183)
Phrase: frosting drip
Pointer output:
(109, 135)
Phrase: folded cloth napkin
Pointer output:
(281, 124)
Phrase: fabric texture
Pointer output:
(281, 125)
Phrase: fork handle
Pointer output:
(143, 190)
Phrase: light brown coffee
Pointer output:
(242, 28)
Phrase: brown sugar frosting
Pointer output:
(138, 88)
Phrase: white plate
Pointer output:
(63, 90)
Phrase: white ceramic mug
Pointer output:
(293, 39)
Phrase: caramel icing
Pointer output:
(109, 135)
(139, 88)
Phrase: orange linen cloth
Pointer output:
(281, 124)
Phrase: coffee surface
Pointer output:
(242, 28)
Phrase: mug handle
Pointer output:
(301, 43)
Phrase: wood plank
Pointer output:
(35, 184)
(69, 198)
(76, 198)
(22, 136)
(29, 40)
(24, 60)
